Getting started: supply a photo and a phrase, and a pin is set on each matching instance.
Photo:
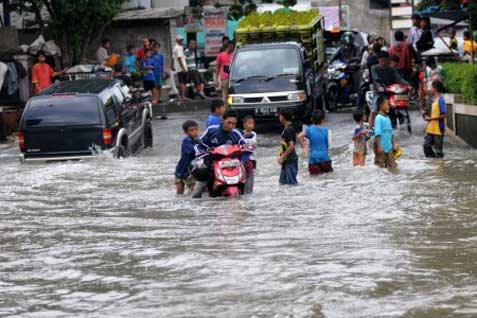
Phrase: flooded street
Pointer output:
(110, 238)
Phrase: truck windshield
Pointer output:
(62, 111)
(265, 63)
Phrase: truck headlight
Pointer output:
(235, 100)
(297, 97)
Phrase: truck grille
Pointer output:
(255, 100)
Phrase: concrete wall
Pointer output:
(362, 17)
(461, 120)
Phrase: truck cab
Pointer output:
(279, 63)
(267, 77)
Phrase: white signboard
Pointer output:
(215, 25)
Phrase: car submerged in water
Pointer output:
(75, 120)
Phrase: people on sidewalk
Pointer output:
(222, 77)
(180, 66)
(42, 73)
(194, 75)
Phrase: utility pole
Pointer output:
(340, 12)
(6, 13)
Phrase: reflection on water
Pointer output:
(111, 238)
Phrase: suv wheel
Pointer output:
(122, 152)
(148, 139)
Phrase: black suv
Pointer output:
(74, 120)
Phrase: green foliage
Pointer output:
(73, 24)
(278, 18)
(461, 79)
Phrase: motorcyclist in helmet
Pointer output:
(349, 50)
(215, 136)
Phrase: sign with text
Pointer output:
(215, 25)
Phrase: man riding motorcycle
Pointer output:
(215, 136)
(383, 75)
(350, 53)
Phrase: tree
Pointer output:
(73, 24)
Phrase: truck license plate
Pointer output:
(266, 110)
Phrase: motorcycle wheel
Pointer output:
(332, 100)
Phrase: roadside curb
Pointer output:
(190, 106)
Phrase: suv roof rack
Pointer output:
(87, 86)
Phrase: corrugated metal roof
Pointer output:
(148, 14)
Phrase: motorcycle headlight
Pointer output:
(331, 70)
(297, 97)
(235, 100)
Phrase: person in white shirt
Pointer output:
(415, 32)
(102, 54)
(180, 66)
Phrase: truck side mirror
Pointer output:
(227, 69)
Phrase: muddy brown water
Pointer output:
(109, 238)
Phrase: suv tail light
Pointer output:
(107, 136)
(21, 141)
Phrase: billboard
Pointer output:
(215, 26)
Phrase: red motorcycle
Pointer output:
(399, 100)
(228, 171)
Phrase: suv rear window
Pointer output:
(63, 111)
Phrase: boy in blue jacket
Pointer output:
(183, 177)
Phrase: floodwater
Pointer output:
(110, 238)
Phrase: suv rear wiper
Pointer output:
(247, 78)
(278, 75)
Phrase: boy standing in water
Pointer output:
(384, 136)
(320, 139)
(360, 138)
(249, 159)
(436, 126)
(288, 158)
(182, 174)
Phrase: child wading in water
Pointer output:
(360, 138)
(320, 139)
(183, 177)
(249, 159)
(288, 158)
(436, 126)
(384, 136)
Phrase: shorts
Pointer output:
(149, 85)
(289, 173)
(183, 77)
(196, 78)
(250, 167)
(188, 182)
(158, 80)
(320, 168)
(385, 160)
(359, 158)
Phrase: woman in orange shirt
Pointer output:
(42, 73)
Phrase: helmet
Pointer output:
(348, 38)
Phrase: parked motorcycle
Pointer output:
(340, 89)
(399, 100)
(228, 173)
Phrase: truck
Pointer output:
(278, 63)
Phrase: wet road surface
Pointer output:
(110, 238)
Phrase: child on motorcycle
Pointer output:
(384, 136)
(217, 110)
(319, 161)
(360, 139)
(249, 159)
(288, 158)
(183, 177)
